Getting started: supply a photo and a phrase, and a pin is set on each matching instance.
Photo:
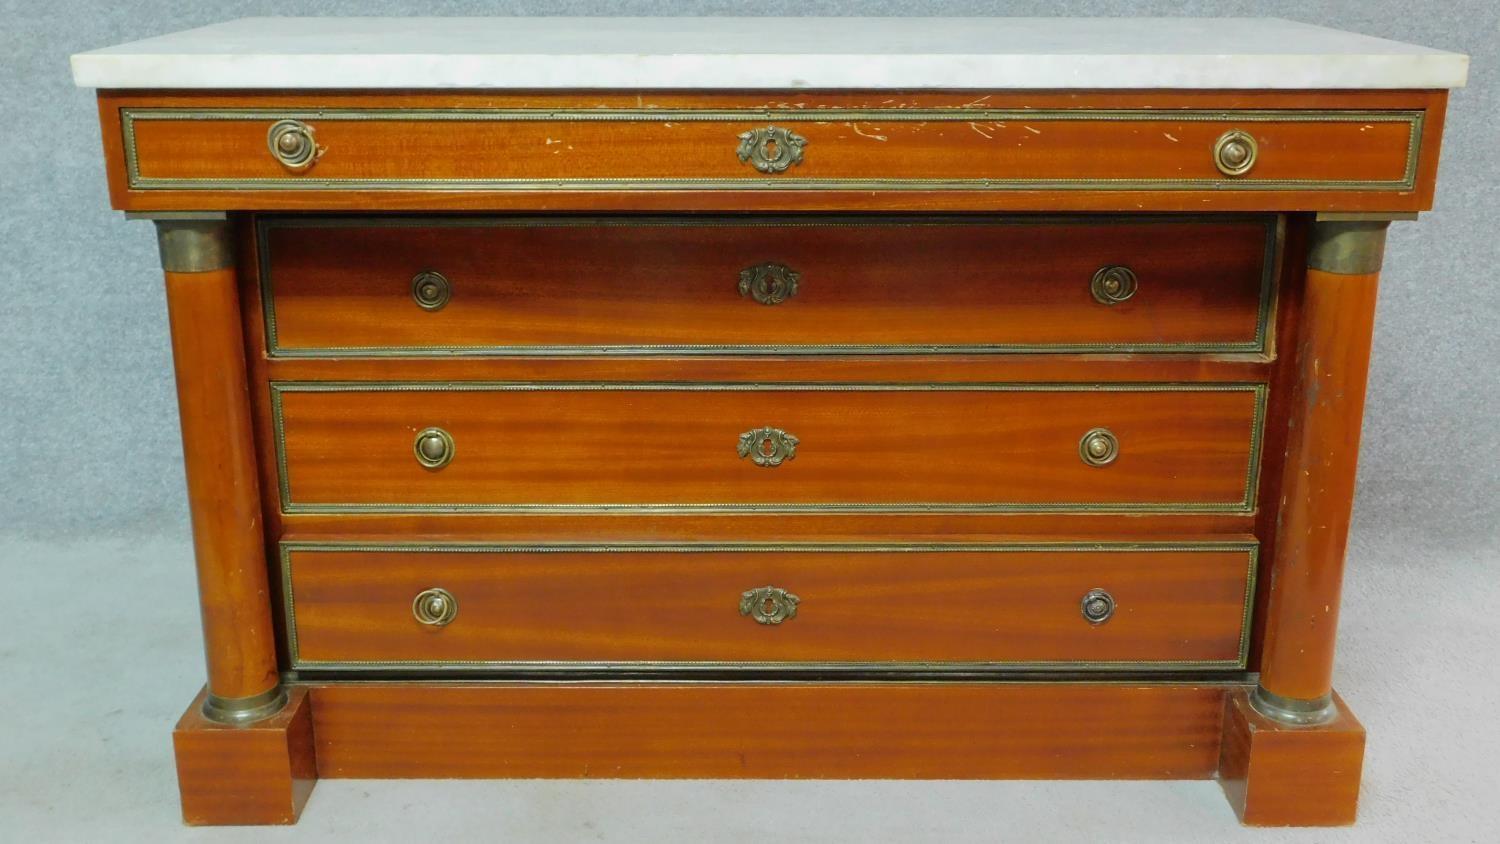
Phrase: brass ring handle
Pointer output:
(292, 144)
(769, 604)
(772, 149)
(433, 447)
(430, 290)
(1099, 447)
(768, 447)
(1235, 152)
(434, 607)
(769, 283)
(1113, 284)
(1097, 606)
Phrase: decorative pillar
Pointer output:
(1317, 488)
(197, 255)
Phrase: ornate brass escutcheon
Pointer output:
(769, 605)
(767, 446)
(769, 283)
(772, 149)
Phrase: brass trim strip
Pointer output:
(1275, 231)
(1245, 505)
(567, 668)
(129, 116)
(1227, 678)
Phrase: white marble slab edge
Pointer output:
(768, 53)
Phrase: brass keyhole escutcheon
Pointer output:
(768, 447)
(772, 149)
(769, 283)
(769, 605)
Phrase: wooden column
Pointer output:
(223, 493)
(1333, 357)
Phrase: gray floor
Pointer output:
(101, 653)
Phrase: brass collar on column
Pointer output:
(193, 243)
(1347, 247)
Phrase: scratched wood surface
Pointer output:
(1081, 162)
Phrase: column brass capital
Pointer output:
(194, 244)
(1347, 247)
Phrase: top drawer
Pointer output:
(869, 149)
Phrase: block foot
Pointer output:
(1276, 774)
(260, 773)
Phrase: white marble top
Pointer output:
(815, 53)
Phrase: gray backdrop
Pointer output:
(98, 652)
(85, 389)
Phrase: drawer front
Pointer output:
(608, 447)
(773, 149)
(822, 607)
(342, 287)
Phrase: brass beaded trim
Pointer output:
(554, 668)
(1245, 505)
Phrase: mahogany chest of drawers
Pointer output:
(659, 424)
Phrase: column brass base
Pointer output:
(1293, 712)
(242, 711)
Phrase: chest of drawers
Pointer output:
(911, 403)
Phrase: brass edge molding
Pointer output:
(1357, 216)
(1219, 679)
(1245, 505)
(1251, 548)
(1353, 247)
(1413, 118)
(194, 245)
(1274, 236)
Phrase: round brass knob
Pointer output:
(1099, 447)
(1112, 285)
(430, 290)
(292, 144)
(1235, 152)
(1097, 606)
(433, 447)
(434, 607)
